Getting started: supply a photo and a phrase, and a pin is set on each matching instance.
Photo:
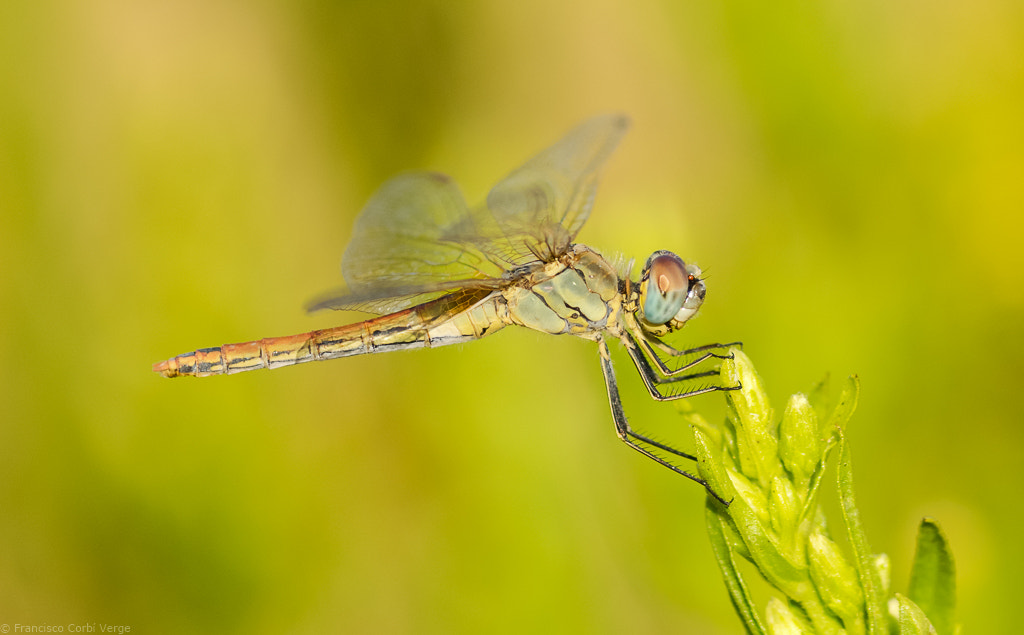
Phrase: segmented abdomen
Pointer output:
(465, 315)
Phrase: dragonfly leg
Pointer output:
(647, 340)
(634, 439)
(674, 352)
(652, 379)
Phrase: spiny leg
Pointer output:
(647, 341)
(630, 438)
(674, 352)
(652, 379)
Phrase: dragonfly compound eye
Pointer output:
(694, 296)
(665, 287)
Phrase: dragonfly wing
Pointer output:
(402, 237)
(417, 239)
(388, 299)
(541, 206)
(403, 251)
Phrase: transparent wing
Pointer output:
(540, 207)
(403, 252)
(417, 239)
(401, 237)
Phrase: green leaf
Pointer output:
(870, 578)
(819, 399)
(738, 592)
(933, 577)
(847, 404)
(912, 620)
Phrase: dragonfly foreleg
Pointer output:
(649, 341)
(668, 349)
(652, 379)
(634, 439)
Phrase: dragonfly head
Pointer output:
(671, 291)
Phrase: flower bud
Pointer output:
(751, 495)
(782, 620)
(884, 568)
(800, 443)
(837, 581)
(756, 443)
(784, 508)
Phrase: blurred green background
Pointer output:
(184, 174)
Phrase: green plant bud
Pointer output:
(884, 568)
(783, 620)
(800, 444)
(756, 442)
(837, 581)
(785, 508)
(710, 462)
(751, 495)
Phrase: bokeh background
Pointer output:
(183, 174)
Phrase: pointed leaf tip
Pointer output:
(933, 578)
(847, 403)
(911, 619)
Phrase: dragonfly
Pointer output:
(437, 272)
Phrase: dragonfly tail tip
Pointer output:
(166, 368)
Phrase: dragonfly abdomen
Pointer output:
(451, 319)
(269, 352)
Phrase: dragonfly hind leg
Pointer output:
(638, 441)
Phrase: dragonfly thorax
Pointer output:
(671, 292)
(577, 294)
